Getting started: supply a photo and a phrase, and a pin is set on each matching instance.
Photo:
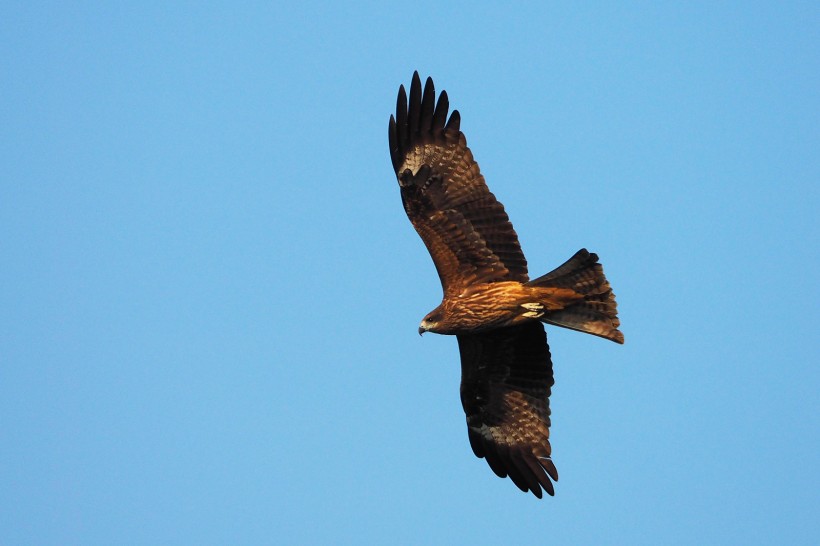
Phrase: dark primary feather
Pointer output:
(506, 376)
(466, 230)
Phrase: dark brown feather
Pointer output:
(440, 114)
(414, 106)
(428, 103)
(506, 377)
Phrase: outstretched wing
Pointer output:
(466, 230)
(506, 375)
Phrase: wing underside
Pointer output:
(464, 227)
(505, 387)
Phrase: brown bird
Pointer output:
(489, 303)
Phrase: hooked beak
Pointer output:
(421, 330)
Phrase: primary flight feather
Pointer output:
(489, 303)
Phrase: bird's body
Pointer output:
(489, 303)
(488, 306)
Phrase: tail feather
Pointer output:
(597, 312)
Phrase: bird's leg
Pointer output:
(533, 310)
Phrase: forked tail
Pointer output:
(597, 312)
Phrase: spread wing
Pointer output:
(506, 375)
(466, 230)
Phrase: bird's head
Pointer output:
(430, 323)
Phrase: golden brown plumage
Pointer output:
(489, 302)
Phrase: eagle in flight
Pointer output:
(490, 304)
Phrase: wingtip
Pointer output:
(421, 116)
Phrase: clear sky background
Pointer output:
(209, 291)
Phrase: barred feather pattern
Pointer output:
(597, 312)
(505, 387)
(463, 225)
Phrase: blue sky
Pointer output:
(210, 292)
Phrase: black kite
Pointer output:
(489, 303)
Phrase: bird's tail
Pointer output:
(595, 311)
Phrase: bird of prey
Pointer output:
(490, 304)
